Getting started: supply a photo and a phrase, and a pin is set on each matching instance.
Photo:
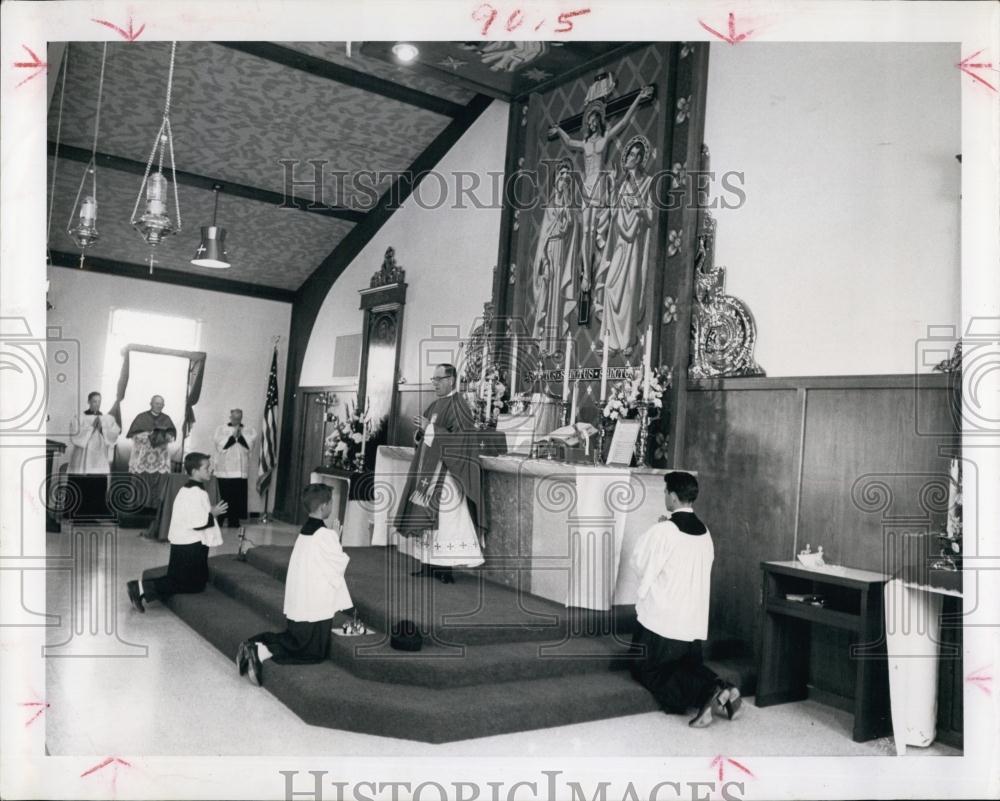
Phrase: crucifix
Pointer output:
(596, 144)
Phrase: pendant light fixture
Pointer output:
(212, 250)
(155, 222)
(85, 232)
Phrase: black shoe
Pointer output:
(704, 716)
(135, 596)
(254, 665)
(242, 658)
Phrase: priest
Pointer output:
(92, 443)
(151, 432)
(442, 499)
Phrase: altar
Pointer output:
(564, 532)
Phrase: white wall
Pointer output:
(236, 335)
(448, 254)
(847, 247)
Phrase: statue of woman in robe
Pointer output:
(555, 266)
(621, 279)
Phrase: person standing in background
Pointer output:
(233, 443)
(93, 435)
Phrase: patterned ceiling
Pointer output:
(236, 115)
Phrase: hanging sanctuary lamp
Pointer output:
(85, 232)
(211, 251)
(155, 222)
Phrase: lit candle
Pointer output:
(569, 347)
(604, 372)
(513, 368)
(647, 361)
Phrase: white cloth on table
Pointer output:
(192, 510)
(675, 582)
(315, 587)
(912, 631)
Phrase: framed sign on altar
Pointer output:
(623, 443)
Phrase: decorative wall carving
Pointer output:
(723, 331)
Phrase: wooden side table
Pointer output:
(853, 602)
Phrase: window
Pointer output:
(130, 327)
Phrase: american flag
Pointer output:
(270, 428)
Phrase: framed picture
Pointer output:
(623, 443)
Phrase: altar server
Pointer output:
(92, 444)
(674, 560)
(193, 530)
(233, 444)
(442, 501)
(315, 590)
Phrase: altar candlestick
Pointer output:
(513, 368)
(573, 407)
(647, 362)
(569, 346)
(489, 402)
(482, 372)
(604, 373)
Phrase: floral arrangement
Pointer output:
(492, 382)
(950, 540)
(625, 397)
(343, 445)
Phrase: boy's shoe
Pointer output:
(242, 658)
(254, 665)
(135, 596)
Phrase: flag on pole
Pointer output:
(269, 428)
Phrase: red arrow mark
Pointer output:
(129, 36)
(43, 706)
(115, 761)
(966, 66)
(981, 679)
(36, 64)
(733, 37)
(720, 762)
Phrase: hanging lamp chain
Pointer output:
(55, 160)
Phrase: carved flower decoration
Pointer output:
(675, 242)
(513, 273)
(683, 109)
(669, 310)
(517, 219)
(686, 49)
(679, 175)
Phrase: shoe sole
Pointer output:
(242, 659)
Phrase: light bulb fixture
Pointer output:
(212, 250)
(85, 232)
(406, 53)
(155, 222)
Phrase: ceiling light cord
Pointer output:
(55, 160)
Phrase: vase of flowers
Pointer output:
(344, 445)
(492, 396)
(627, 396)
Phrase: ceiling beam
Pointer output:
(322, 68)
(208, 183)
(96, 264)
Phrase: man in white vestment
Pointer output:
(93, 435)
(233, 443)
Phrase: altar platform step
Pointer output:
(441, 662)
(472, 611)
(330, 695)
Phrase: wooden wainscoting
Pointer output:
(844, 462)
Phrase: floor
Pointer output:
(101, 705)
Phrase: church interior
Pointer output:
(766, 256)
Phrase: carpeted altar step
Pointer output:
(438, 664)
(329, 695)
(472, 611)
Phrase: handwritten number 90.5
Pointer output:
(487, 15)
